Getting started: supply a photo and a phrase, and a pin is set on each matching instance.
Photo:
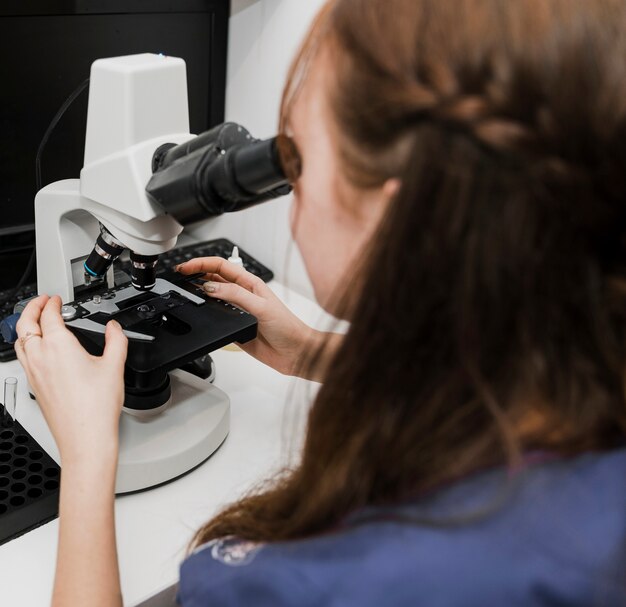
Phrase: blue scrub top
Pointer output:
(555, 536)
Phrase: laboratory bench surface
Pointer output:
(154, 527)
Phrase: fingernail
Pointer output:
(210, 287)
(115, 323)
(179, 266)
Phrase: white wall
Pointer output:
(263, 37)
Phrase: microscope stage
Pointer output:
(167, 327)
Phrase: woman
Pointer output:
(462, 204)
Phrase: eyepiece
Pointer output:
(257, 167)
(106, 250)
(143, 271)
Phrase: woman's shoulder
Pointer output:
(556, 531)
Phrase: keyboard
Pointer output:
(220, 247)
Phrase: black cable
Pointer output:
(40, 149)
(52, 126)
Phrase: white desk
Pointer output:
(268, 413)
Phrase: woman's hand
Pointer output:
(80, 395)
(81, 398)
(282, 337)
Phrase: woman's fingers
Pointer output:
(21, 357)
(29, 319)
(225, 269)
(214, 277)
(235, 294)
(51, 320)
(116, 345)
(29, 330)
(228, 282)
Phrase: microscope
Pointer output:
(144, 178)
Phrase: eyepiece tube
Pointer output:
(169, 153)
(257, 167)
(143, 271)
(106, 250)
(243, 176)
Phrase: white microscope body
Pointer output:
(136, 104)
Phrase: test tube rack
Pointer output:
(29, 481)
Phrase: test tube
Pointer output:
(10, 399)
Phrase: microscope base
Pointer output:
(162, 448)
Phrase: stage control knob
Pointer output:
(68, 312)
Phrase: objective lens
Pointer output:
(257, 167)
(143, 271)
(106, 250)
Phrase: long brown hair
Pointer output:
(492, 314)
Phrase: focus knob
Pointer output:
(8, 328)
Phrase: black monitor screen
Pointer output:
(47, 56)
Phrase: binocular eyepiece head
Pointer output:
(222, 170)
